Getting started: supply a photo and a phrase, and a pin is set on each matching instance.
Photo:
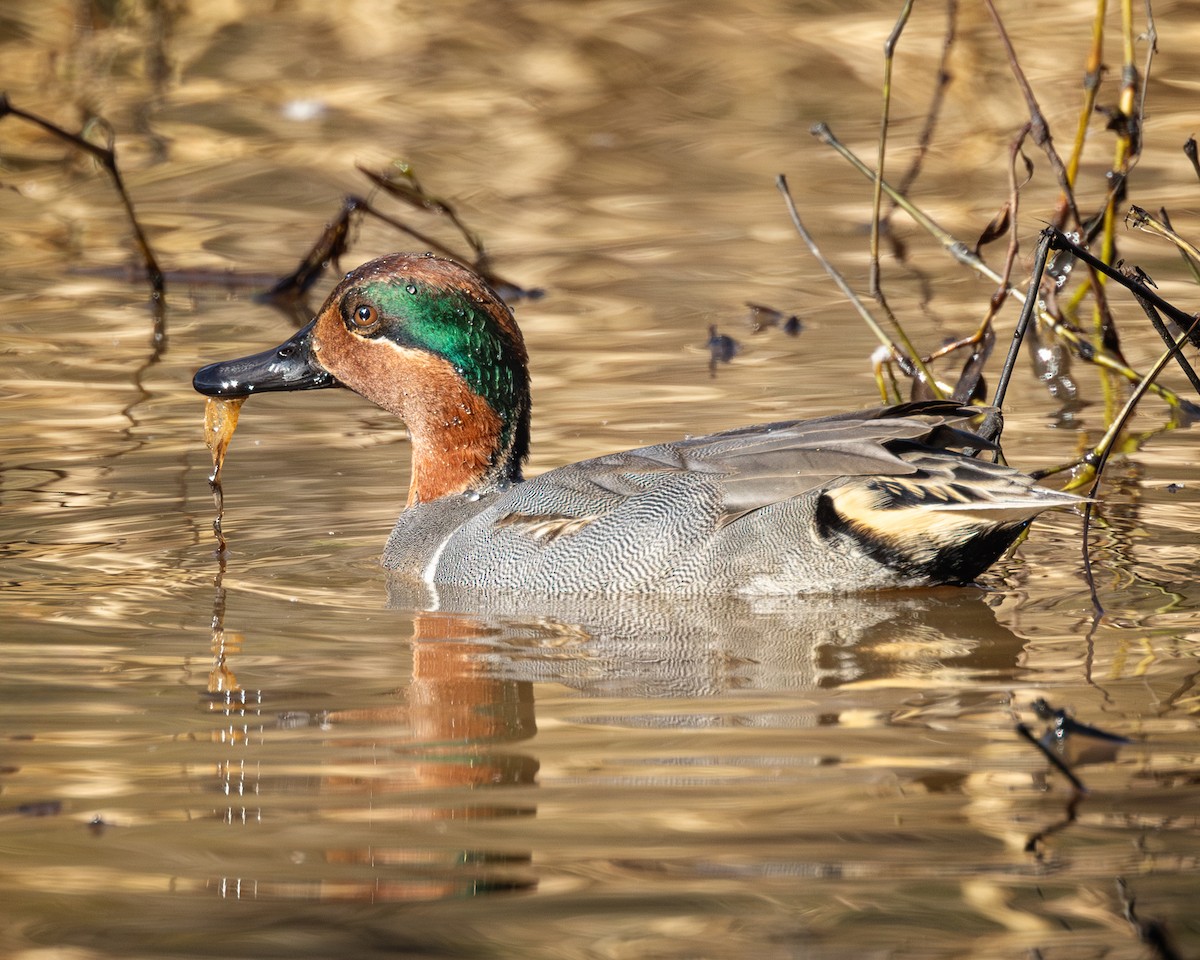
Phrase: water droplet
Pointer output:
(411, 288)
(471, 495)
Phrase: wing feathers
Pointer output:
(889, 463)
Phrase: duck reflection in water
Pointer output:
(446, 747)
(430, 754)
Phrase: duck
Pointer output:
(876, 499)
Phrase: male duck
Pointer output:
(867, 500)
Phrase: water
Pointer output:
(282, 758)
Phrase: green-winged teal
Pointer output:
(874, 499)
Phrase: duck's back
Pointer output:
(860, 501)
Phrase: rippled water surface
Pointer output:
(280, 757)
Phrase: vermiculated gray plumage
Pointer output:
(868, 500)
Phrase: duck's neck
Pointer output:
(470, 454)
(460, 443)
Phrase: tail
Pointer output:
(946, 523)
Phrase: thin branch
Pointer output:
(959, 250)
(944, 77)
(1161, 329)
(889, 55)
(840, 281)
(107, 156)
(1039, 129)
(1139, 289)
(1139, 219)
(1189, 261)
(409, 190)
(330, 245)
(1027, 309)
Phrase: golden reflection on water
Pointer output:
(272, 759)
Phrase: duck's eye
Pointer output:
(365, 316)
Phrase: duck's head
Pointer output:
(427, 340)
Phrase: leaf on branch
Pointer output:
(997, 228)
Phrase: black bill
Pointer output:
(289, 366)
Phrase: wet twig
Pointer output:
(1150, 932)
(939, 390)
(404, 186)
(1140, 219)
(1038, 128)
(334, 240)
(107, 156)
(1161, 329)
(889, 56)
(932, 115)
(1006, 222)
(1027, 311)
(288, 291)
(330, 245)
(1135, 285)
(959, 250)
(1052, 758)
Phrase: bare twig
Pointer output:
(403, 185)
(1027, 309)
(925, 139)
(889, 54)
(1039, 129)
(1189, 261)
(959, 250)
(330, 245)
(1012, 209)
(1061, 241)
(1141, 220)
(1161, 329)
(1150, 932)
(107, 156)
(939, 390)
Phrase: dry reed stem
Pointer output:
(959, 250)
(939, 390)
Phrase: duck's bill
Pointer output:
(289, 366)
